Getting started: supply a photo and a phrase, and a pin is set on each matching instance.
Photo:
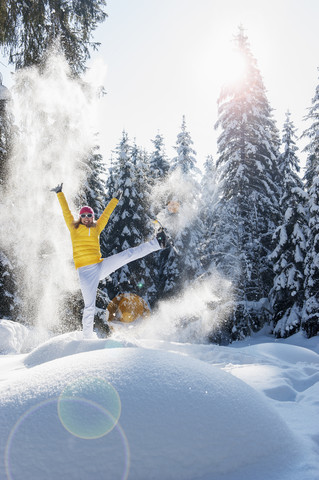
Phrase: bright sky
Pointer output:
(167, 58)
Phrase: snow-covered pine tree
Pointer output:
(310, 322)
(93, 192)
(208, 203)
(8, 287)
(158, 172)
(27, 30)
(248, 147)
(186, 155)
(118, 172)
(111, 241)
(287, 295)
(159, 165)
(8, 304)
(5, 132)
(181, 269)
(147, 267)
(130, 224)
(110, 179)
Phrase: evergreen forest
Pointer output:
(249, 216)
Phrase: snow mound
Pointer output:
(180, 419)
(17, 338)
(12, 336)
(283, 353)
(65, 345)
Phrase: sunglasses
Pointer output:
(89, 215)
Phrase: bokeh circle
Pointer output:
(26, 452)
(89, 408)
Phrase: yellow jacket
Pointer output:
(86, 241)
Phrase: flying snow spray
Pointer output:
(204, 302)
(52, 114)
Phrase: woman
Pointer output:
(85, 237)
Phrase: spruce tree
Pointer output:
(93, 192)
(287, 295)
(28, 29)
(208, 203)
(158, 169)
(310, 322)
(130, 224)
(159, 165)
(186, 155)
(116, 181)
(6, 123)
(179, 270)
(147, 266)
(248, 147)
(8, 304)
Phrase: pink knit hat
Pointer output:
(86, 209)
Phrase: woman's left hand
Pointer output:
(57, 189)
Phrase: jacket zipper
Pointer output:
(89, 231)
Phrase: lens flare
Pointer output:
(89, 408)
(39, 445)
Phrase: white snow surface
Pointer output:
(134, 408)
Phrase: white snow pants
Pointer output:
(90, 276)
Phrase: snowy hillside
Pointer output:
(137, 409)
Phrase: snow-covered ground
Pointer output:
(134, 408)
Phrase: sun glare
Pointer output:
(217, 68)
(233, 68)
